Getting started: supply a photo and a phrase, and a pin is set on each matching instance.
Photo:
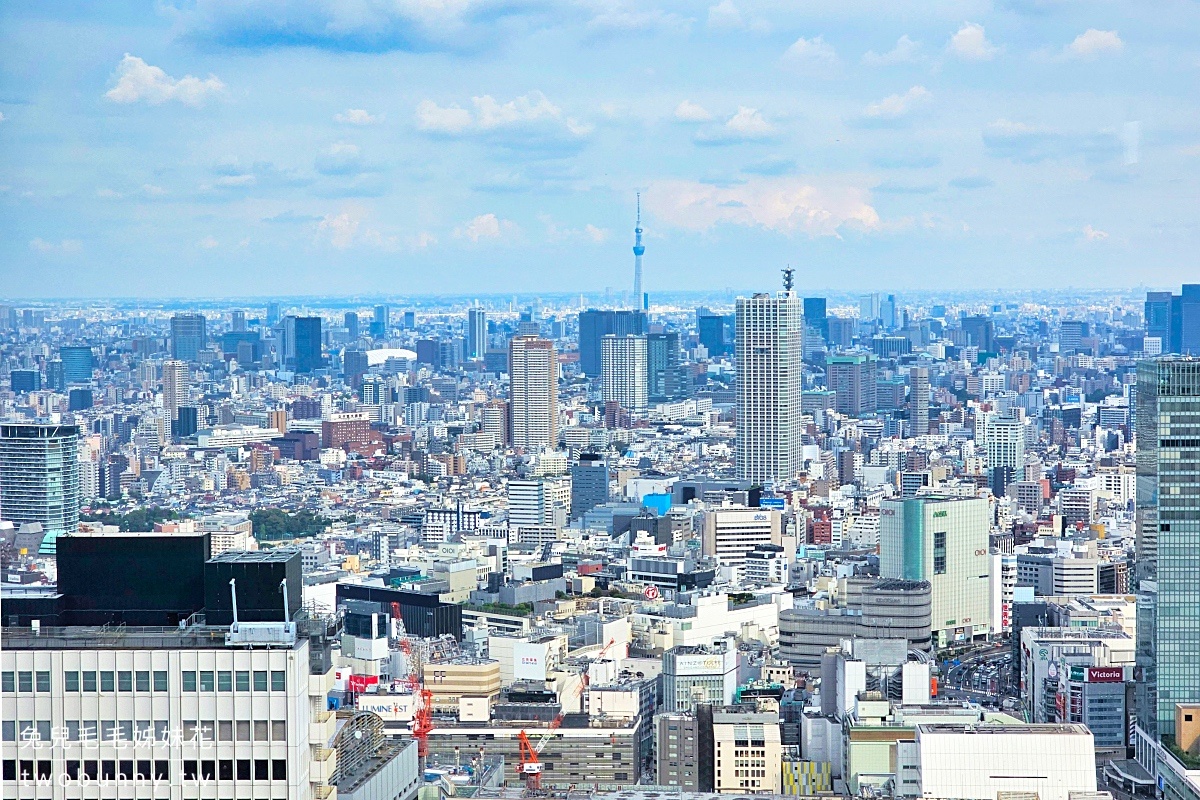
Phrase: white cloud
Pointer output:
(749, 123)
(786, 205)
(246, 179)
(527, 108)
(815, 52)
(725, 15)
(905, 52)
(208, 243)
(346, 229)
(65, 246)
(109, 194)
(1093, 235)
(485, 226)
(2, 117)
(436, 119)
(687, 111)
(1092, 43)
(422, 240)
(897, 105)
(614, 17)
(151, 190)
(357, 116)
(971, 43)
(137, 81)
(490, 114)
(597, 235)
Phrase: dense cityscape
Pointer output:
(749, 543)
(599, 400)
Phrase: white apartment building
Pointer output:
(770, 348)
(624, 367)
(161, 712)
(533, 392)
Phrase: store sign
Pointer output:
(1106, 675)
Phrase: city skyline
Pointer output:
(212, 150)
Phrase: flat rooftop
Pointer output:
(123, 637)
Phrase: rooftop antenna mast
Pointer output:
(788, 279)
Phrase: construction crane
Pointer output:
(422, 720)
(530, 764)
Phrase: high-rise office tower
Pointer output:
(188, 336)
(25, 380)
(354, 365)
(888, 313)
(1175, 319)
(868, 307)
(1003, 439)
(980, 332)
(237, 322)
(918, 400)
(410, 320)
(272, 313)
(56, 375)
(594, 325)
(711, 330)
(533, 392)
(662, 367)
(639, 299)
(351, 323)
(770, 348)
(589, 484)
(381, 324)
(1071, 333)
(1168, 538)
(39, 478)
(303, 344)
(78, 363)
(815, 317)
(851, 377)
(624, 370)
(175, 382)
(943, 540)
(476, 332)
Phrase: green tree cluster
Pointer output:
(271, 524)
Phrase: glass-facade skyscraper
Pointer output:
(188, 336)
(1168, 538)
(78, 362)
(595, 324)
(39, 478)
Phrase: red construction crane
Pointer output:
(422, 722)
(530, 767)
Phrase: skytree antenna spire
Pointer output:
(638, 250)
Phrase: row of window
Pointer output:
(145, 681)
(143, 732)
(243, 769)
(240, 680)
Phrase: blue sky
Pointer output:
(241, 147)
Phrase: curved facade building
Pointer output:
(884, 609)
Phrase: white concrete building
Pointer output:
(166, 705)
(981, 762)
(730, 532)
(770, 348)
(624, 370)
